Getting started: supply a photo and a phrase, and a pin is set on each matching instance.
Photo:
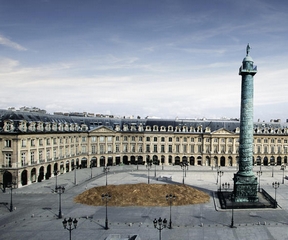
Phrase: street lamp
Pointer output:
(106, 197)
(69, 226)
(160, 225)
(170, 198)
(283, 169)
(56, 174)
(106, 170)
(75, 182)
(275, 186)
(154, 162)
(148, 166)
(232, 197)
(273, 164)
(226, 186)
(220, 174)
(184, 166)
(218, 169)
(259, 173)
(11, 185)
(59, 190)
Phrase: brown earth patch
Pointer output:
(142, 195)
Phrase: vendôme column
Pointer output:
(245, 182)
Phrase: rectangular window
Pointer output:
(148, 148)
(40, 155)
(177, 148)
(109, 148)
(83, 139)
(148, 139)
(117, 148)
(83, 149)
(93, 149)
(170, 148)
(23, 159)
(32, 142)
(184, 148)
(109, 139)
(32, 157)
(102, 148)
(8, 143)
(125, 149)
(155, 148)
(192, 148)
(23, 143)
(162, 148)
(8, 160)
(140, 148)
(140, 139)
(93, 139)
(102, 139)
(54, 140)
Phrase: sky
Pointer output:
(162, 58)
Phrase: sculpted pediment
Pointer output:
(102, 129)
(222, 131)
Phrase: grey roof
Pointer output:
(94, 122)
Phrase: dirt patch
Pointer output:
(142, 195)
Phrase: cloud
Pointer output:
(8, 43)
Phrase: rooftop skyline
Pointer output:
(144, 58)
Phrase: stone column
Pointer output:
(245, 182)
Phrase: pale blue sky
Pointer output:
(165, 58)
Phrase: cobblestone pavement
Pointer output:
(35, 208)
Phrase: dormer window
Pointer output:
(155, 128)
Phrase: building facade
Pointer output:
(35, 146)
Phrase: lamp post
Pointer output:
(148, 166)
(60, 190)
(232, 217)
(275, 185)
(259, 173)
(226, 186)
(11, 185)
(273, 164)
(170, 198)
(160, 225)
(220, 174)
(106, 197)
(184, 167)
(106, 170)
(75, 181)
(218, 169)
(69, 226)
(154, 162)
(56, 174)
(283, 169)
(91, 170)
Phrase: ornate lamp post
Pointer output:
(160, 225)
(106, 197)
(170, 198)
(220, 174)
(106, 170)
(69, 226)
(184, 167)
(148, 166)
(275, 185)
(11, 186)
(60, 190)
(226, 186)
(259, 173)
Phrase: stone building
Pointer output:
(35, 145)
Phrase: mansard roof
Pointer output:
(199, 125)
